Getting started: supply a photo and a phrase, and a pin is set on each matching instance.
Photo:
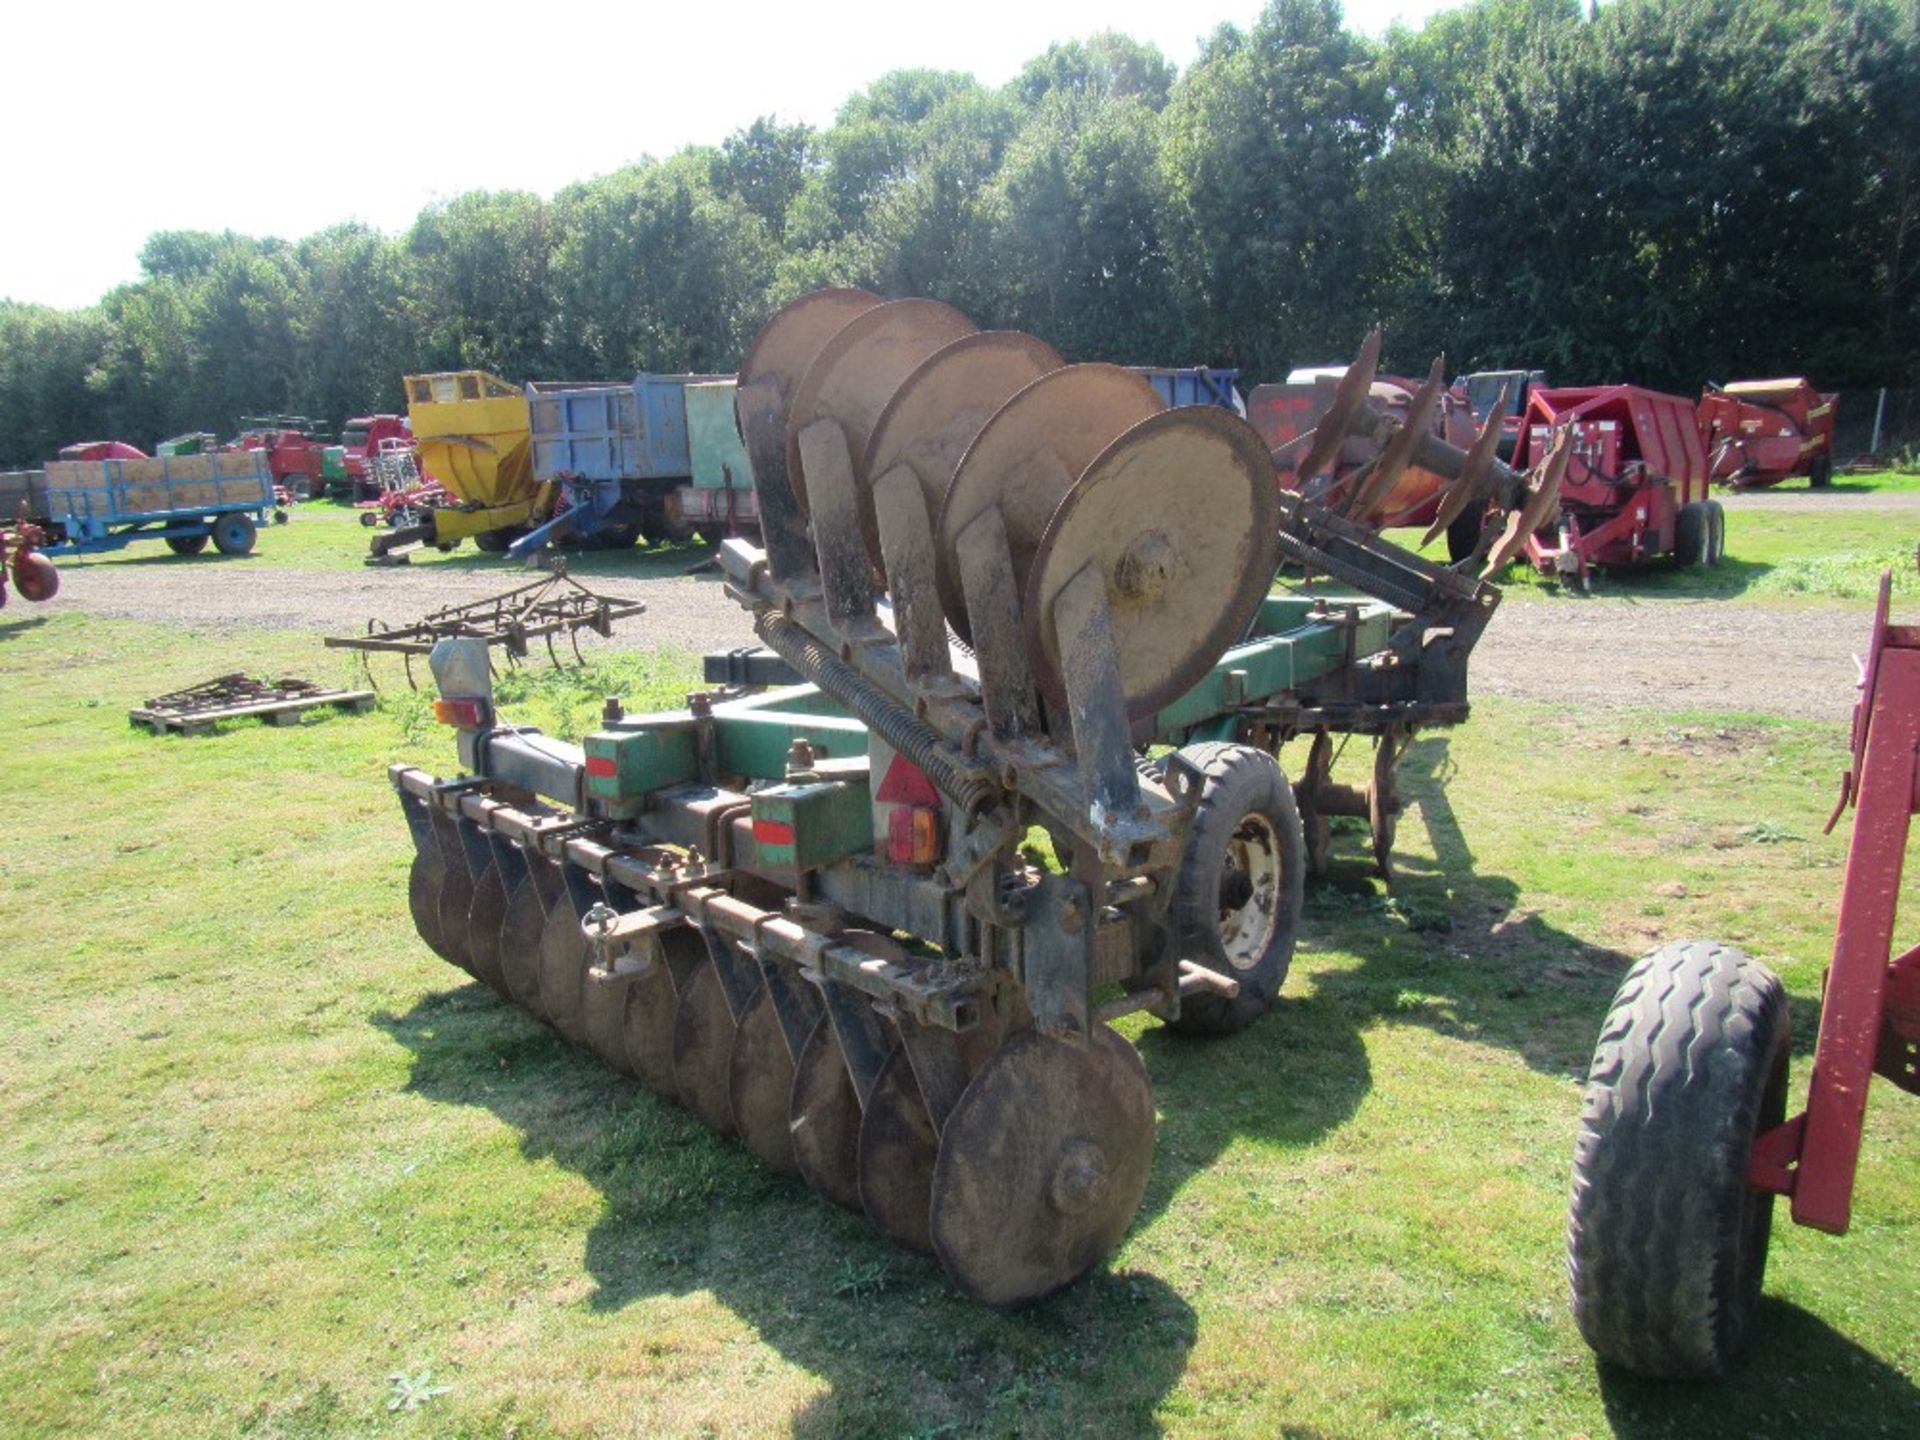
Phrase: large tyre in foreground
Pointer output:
(1237, 897)
(1666, 1241)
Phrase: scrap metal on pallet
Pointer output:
(541, 609)
(238, 696)
(813, 915)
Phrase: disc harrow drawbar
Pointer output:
(811, 914)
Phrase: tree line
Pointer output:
(1663, 191)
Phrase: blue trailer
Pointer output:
(636, 457)
(1198, 385)
(185, 500)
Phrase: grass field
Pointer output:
(1774, 557)
(271, 1169)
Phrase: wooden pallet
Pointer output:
(198, 708)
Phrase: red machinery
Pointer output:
(1684, 1140)
(102, 450)
(363, 438)
(1636, 485)
(33, 574)
(1285, 415)
(1760, 432)
(296, 455)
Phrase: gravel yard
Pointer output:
(1609, 653)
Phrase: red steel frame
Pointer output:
(1870, 1018)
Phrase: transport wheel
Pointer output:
(301, 488)
(234, 533)
(1716, 532)
(186, 544)
(1238, 893)
(35, 577)
(1690, 528)
(493, 542)
(1666, 1241)
(369, 519)
(1042, 1165)
(1463, 535)
(1820, 471)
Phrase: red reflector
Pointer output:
(772, 832)
(601, 767)
(913, 836)
(466, 714)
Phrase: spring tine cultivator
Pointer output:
(538, 610)
(813, 914)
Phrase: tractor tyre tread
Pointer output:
(1666, 1242)
(1690, 534)
(1237, 781)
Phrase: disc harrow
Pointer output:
(809, 910)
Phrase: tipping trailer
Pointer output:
(1635, 490)
(714, 899)
(185, 500)
(1760, 432)
(639, 457)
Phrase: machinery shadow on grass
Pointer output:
(1452, 947)
(900, 1351)
(1658, 581)
(1799, 1376)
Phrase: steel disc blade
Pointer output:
(761, 1084)
(1042, 1165)
(484, 914)
(824, 1117)
(1027, 456)
(858, 369)
(563, 965)
(898, 1149)
(943, 405)
(456, 898)
(520, 928)
(703, 1031)
(424, 879)
(603, 1012)
(653, 1003)
(788, 343)
(1184, 580)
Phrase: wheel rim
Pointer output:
(1249, 890)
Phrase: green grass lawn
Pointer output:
(271, 1169)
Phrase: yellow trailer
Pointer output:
(475, 437)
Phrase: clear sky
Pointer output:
(279, 119)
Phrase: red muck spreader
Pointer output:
(1636, 484)
(1760, 432)
(1685, 1140)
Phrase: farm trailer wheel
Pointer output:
(1239, 890)
(1693, 535)
(234, 533)
(186, 544)
(1666, 1240)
